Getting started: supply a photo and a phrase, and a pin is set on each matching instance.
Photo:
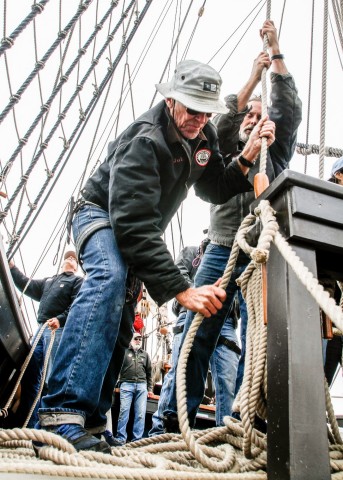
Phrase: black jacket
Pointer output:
(55, 294)
(147, 174)
(185, 263)
(136, 368)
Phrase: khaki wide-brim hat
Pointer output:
(195, 85)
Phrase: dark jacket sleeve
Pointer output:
(286, 111)
(34, 289)
(185, 264)
(135, 218)
(62, 317)
(148, 373)
(228, 125)
(219, 183)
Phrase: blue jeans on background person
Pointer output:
(81, 382)
(243, 334)
(211, 268)
(157, 418)
(35, 378)
(30, 384)
(46, 341)
(138, 394)
(224, 364)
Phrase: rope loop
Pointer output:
(40, 64)
(49, 173)
(7, 41)
(38, 6)
(15, 98)
(62, 34)
(259, 255)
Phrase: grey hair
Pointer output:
(255, 98)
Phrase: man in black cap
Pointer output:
(55, 294)
(126, 206)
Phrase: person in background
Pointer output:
(334, 348)
(55, 295)
(118, 227)
(135, 387)
(337, 172)
(236, 141)
(188, 261)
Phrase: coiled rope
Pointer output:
(235, 451)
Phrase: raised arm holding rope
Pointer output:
(237, 135)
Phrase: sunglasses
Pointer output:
(138, 338)
(194, 113)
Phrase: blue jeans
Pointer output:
(138, 394)
(157, 418)
(87, 363)
(211, 268)
(224, 364)
(46, 340)
(243, 335)
(32, 377)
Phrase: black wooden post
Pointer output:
(310, 217)
(297, 434)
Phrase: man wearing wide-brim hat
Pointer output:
(119, 223)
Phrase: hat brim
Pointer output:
(200, 104)
(70, 254)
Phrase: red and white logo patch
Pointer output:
(202, 157)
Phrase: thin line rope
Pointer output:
(40, 64)
(54, 93)
(172, 50)
(82, 123)
(309, 87)
(264, 148)
(323, 91)
(8, 42)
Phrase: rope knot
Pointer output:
(259, 255)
